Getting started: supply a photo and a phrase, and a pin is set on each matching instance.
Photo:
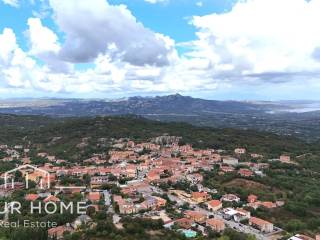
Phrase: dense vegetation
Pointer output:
(61, 136)
(297, 185)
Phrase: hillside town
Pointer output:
(159, 180)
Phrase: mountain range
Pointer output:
(297, 118)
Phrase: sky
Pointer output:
(213, 49)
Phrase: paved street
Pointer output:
(232, 224)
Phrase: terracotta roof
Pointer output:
(199, 194)
(93, 196)
(31, 197)
(215, 222)
(214, 203)
(252, 198)
(268, 204)
(51, 198)
(259, 221)
(194, 214)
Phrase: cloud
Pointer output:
(199, 4)
(7, 45)
(12, 3)
(156, 1)
(259, 37)
(316, 53)
(96, 27)
(257, 45)
(45, 46)
(14, 64)
(42, 39)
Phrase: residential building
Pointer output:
(214, 205)
(216, 225)
(57, 232)
(230, 161)
(262, 225)
(240, 151)
(200, 197)
(98, 181)
(184, 223)
(31, 197)
(51, 198)
(252, 198)
(196, 216)
(93, 196)
(301, 237)
(285, 158)
(244, 172)
(230, 198)
(241, 215)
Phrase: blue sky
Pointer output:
(168, 18)
(216, 49)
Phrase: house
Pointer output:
(185, 223)
(229, 213)
(149, 203)
(240, 151)
(255, 155)
(244, 172)
(301, 237)
(227, 169)
(194, 178)
(31, 197)
(42, 154)
(200, 197)
(216, 157)
(26, 160)
(268, 205)
(280, 203)
(216, 225)
(153, 175)
(98, 181)
(252, 198)
(40, 177)
(81, 220)
(262, 225)
(230, 198)
(214, 205)
(230, 161)
(127, 207)
(285, 158)
(241, 215)
(160, 201)
(196, 216)
(93, 196)
(237, 215)
(57, 232)
(51, 198)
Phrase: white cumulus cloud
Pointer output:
(255, 46)
(92, 27)
(265, 39)
(12, 3)
(156, 1)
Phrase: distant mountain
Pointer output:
(298, 118)
(172, 104)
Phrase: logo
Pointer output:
(48, 203)
(30, 173)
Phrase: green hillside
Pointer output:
(70, 131)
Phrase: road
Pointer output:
(232, 224)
